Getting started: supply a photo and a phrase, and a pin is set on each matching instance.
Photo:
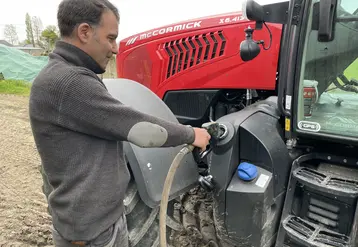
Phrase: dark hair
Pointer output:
(72, 13)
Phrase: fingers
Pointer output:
(202, 138)
(208, 137)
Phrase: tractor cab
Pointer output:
(318, 75)
(318, 102)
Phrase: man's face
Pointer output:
(101, 43)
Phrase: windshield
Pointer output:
(328, 89)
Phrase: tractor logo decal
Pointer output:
(309, 126)
(342, 123)
(164, 30)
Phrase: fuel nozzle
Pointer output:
(213, 129)
(217, 132)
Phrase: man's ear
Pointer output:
(84, 32)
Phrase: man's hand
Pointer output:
(202, 138)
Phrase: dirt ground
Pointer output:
(23, 214)
(24, 220)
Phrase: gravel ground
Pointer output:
(23, 209)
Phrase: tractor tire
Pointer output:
(142, 221)
(195, 213)
(190, 219)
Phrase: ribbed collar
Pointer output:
(76, 56)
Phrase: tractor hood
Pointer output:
(201, 53)
(181, 27)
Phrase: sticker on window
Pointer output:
(342, 123)
(309, 126)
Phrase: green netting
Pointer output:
(18, 65)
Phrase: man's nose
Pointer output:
(115, 48)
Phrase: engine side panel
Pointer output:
(206, 57)
(262, 143)
(250, 211)
(254, 208)
(150, 165)
(227, 151)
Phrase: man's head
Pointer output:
(91, 25)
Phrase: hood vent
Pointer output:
(194, 50)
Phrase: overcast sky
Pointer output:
(136, 15)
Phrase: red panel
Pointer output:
(172, 62)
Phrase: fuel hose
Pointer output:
(166, 190)
(216, 133)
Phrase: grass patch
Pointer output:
(15, 87)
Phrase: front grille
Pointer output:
(191, 104)
(194, 50)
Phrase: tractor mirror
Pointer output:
(326, 20)
(253, 11)
(249, 48)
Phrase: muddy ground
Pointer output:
(23, 214)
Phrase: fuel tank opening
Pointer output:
(223, 131)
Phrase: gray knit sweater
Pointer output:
(79, 129)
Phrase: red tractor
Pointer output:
(195, 67)
(281, 82)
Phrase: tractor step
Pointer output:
(321, 205)
(327, 183)
(308, 234)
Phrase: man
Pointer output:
(79, 128)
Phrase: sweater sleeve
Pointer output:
(87, 107)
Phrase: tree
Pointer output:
(50, 36)
(29, 31)
(37, 28)
(11, 34)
